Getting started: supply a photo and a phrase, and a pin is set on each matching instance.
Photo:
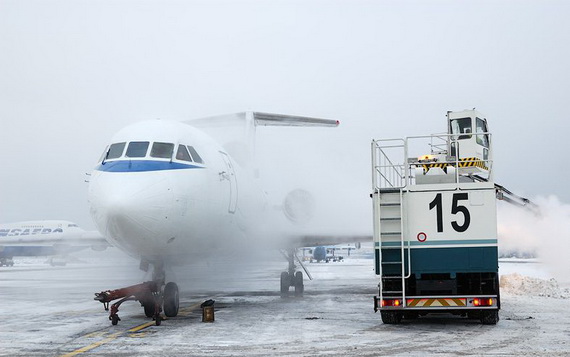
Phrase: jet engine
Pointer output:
(299, 206)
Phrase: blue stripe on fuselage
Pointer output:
(143, 165)
(38, 251)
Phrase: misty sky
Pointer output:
(72, 73)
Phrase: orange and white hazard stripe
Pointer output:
(438, 302)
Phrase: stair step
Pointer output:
(391, 219)
(390, 204)
(390, 233)
(391, 262)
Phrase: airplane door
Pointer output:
(231, 177)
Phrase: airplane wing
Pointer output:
(318, 239)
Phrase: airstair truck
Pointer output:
(435, 223)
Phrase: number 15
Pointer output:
(455, 208)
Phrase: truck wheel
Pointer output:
(391, 317)
(489, 317)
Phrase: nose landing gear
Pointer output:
(154, 296)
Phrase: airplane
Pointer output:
(171, 193)
(326, 254)
(45, 238)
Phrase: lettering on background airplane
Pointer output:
(171, 193)
(45, 238)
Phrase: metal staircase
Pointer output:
(392, 247)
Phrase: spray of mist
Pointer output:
(546, 235)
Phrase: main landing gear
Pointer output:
(154, 296)
(292, 278)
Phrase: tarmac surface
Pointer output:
(49, 311)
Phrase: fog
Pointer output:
(545, 235)
(73, 73)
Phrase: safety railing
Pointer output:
(393, 166)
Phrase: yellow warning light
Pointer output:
(427, 158)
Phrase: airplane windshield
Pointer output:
(115, 151)
(182, 154)
(137, 149)
(162, 150)
(195, 155)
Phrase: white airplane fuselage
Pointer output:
(164, 207)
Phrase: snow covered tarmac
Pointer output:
(49, 311)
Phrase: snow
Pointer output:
(49, 311)
(517, 284)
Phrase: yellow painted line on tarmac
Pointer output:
(145, 325)
(93, 345)
(190, 308)
(115, 335)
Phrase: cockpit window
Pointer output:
(461, 126)
(162, 150)
(182, 154)
(115, 151)
(195, 155)
(137, 149)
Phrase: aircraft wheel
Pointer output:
(285, 283)
(115, 319)
(171, 300)
(148, 305)
(299, 287)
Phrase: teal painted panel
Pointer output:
(444, 260)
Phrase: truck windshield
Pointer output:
(461, 127)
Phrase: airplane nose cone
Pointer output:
(139, 207)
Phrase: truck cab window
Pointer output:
(461, 127)
(162, 150)
(137, 149)
(482, 128)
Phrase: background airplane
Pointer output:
(45, 238)
(328, 253)
(171, 193)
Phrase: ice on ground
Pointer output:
(517, 284)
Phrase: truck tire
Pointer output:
(489, 317)
(391, 317)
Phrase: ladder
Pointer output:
(389, 179)
(394, 259)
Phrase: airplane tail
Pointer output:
(259, 119)
(269, 119)
(236, 132)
